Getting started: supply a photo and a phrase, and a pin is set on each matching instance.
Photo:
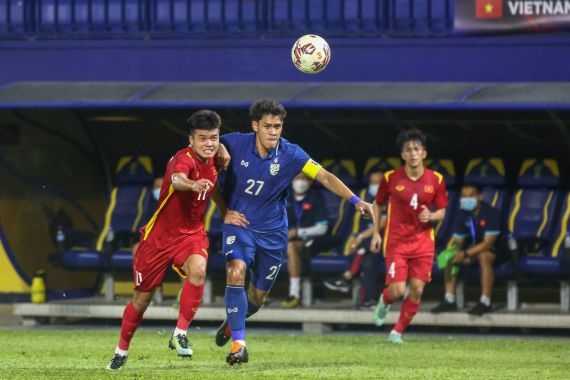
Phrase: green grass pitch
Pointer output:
(77, 354)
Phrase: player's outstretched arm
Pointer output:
(181, 182)
(332, 183)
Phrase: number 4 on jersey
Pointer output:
(414, 201)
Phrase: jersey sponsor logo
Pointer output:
(232, 310)
(274, 168)
(244, 163)
(230, 239)
(400, 187)
(228, 252)
(428, 188)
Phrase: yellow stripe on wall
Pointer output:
(108, 216)
(139, 210)
(10, 280)
(340, 216)
(545, 214)
(563, 229)
(515, 211)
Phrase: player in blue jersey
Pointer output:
(255, 220)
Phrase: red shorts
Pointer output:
(400, 268)
(150, 263)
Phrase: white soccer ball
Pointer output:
(311, 54)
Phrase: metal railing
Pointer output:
(222, 18)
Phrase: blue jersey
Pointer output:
(257, 186)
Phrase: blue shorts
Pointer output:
(261, 251)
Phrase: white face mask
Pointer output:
(156, 194)
(373, 189)
(300, 186)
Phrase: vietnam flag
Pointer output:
(489, 8)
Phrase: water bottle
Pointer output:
(512, 242)
(60, 239)
(38, 287)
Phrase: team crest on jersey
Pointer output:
(428, 188)
(400, 187)
(230, 240)
(274, 168)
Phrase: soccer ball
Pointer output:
(311, 54)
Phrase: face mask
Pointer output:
(468, 204)
(156, 194)
(301, 186)
(373, 189)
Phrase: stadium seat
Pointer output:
(131, 199)
(419, 17)
(379, 164)
(535, 223)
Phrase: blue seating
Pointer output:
(131, 199)
(533, 217)
(345, 170)
(419, 17)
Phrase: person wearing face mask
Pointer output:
(307, 218)
(475, 233)
(364, 262)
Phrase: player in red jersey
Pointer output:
(412, 192)
(175, 235)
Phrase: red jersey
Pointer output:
(180, 213)
(404, 234)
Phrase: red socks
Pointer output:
(190, 300)
(407, 313)
(131, 321)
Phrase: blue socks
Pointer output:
(236, 309)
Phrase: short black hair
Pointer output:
(204, 119)
(263, 107)
(476, 186)
(411, 135)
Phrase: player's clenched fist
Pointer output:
(365, 209)
(376, 243)
(201, 185)
(425, 215)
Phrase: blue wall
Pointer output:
(498, 59)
